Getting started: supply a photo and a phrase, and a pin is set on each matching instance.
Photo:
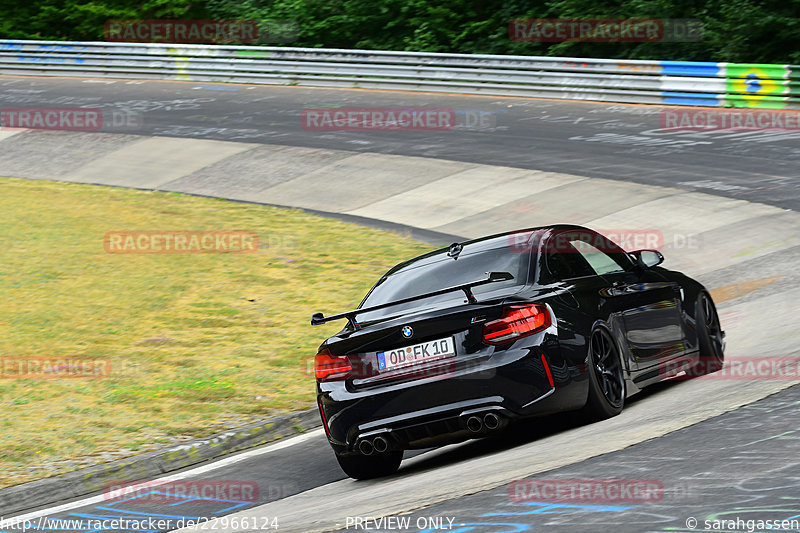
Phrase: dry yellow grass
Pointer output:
(193, 339)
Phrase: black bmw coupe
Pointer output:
(456, 343)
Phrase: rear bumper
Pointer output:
(511, 383)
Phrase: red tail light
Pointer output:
(329, 367)
(517, 321)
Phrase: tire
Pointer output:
(710, 337)
(359, 466)
(607, 388)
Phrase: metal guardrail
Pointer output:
(610, 80)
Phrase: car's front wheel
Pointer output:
(606, 378)
(359, 466)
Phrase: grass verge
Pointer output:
(195, 342)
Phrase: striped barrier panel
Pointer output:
(609, 80)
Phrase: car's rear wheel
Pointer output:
(359, 466)
(710, 337)
(606, 378)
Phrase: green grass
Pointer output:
(194, 340)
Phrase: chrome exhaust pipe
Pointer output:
(380, 445)
(474, 424)
(365, 447)
(491, 421)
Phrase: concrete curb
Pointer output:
(42, 492)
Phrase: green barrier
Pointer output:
(253, 53)
(744, 70)
(794, 72)
(764, 102)
(758, 85)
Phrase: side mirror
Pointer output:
(647, 258)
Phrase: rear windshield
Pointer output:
(431, 273)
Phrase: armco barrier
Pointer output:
(763, 86)
(611, 80)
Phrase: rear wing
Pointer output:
(491, 277)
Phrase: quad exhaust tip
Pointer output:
(487, 422)
(491, 421)
(474, 424)
(376, 445)
(365, 447)
(380, 445)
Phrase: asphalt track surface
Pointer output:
(743, 464)
(596, 140)
(621, 142)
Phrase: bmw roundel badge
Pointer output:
(407, 332)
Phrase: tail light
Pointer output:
(517, 321)
(329, 367)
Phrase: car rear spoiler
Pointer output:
(491, 277)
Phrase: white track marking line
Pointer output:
(174, 477)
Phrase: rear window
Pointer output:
(431, 273)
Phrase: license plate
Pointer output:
(425, 351)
